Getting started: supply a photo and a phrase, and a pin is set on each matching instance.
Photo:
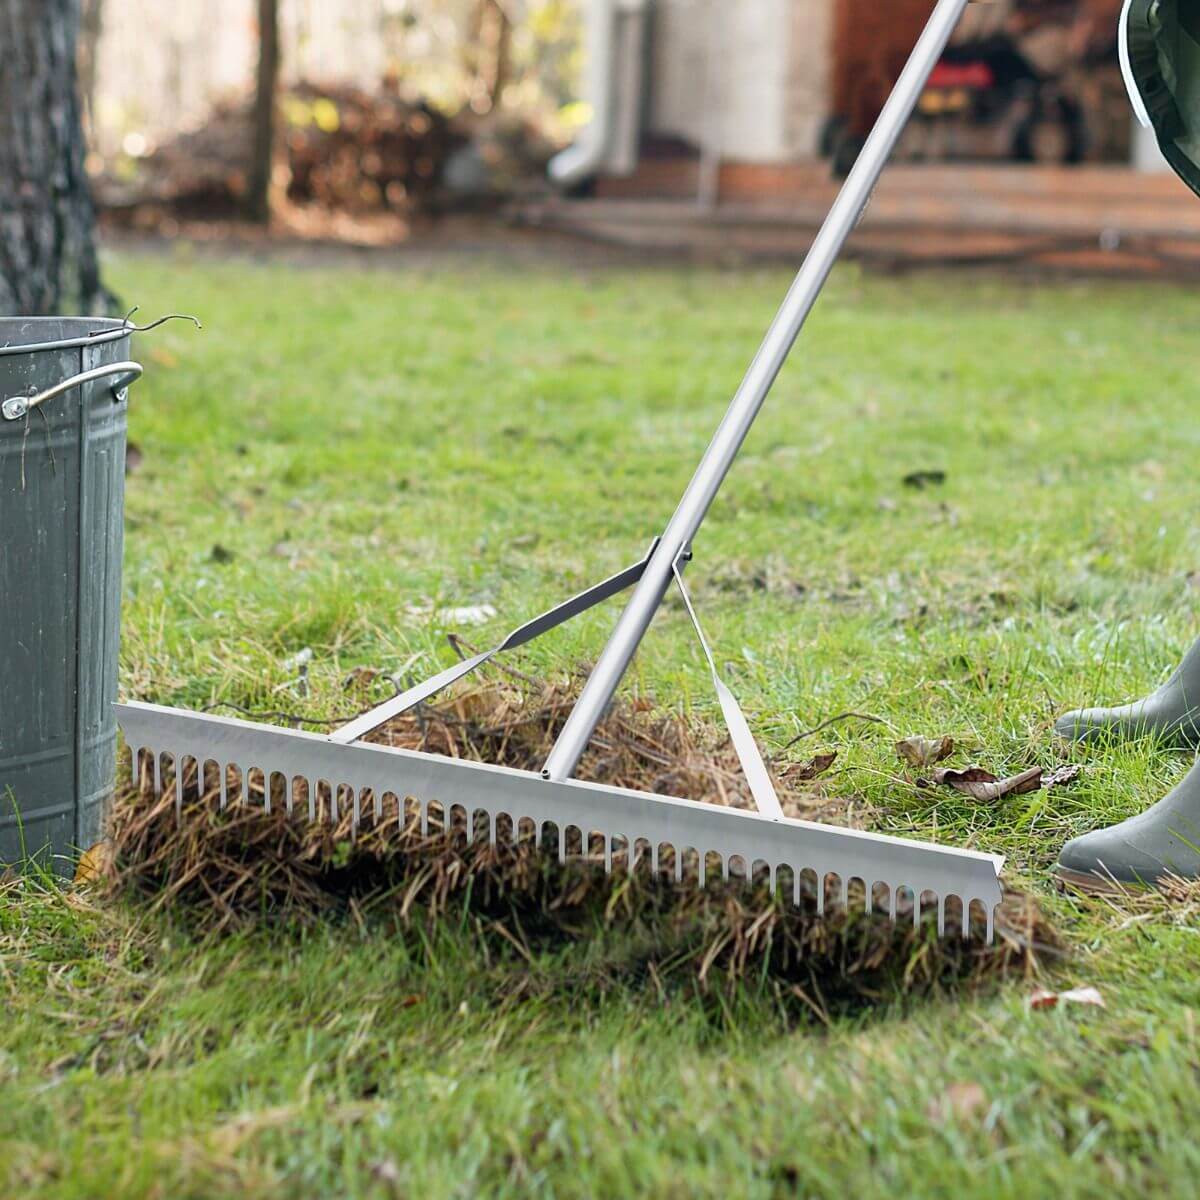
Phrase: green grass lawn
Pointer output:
(344, 453)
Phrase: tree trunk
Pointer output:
(491, 38)
(258, 194)
(48, 262)
(91, 26)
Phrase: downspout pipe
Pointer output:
(584, 158)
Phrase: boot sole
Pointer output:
(1096, 885)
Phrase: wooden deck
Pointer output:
(1084, 218)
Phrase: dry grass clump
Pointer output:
(244, 862)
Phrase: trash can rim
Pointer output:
(93, 331)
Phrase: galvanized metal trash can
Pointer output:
(63, 405)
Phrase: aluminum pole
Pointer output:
(719, 457)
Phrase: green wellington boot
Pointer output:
(1163, 841)
(1171, 713)
(1159, 43)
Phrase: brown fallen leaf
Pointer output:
(924, 752)
(982, 785)
(961, 1101)
(813, 769)
(1062, 776)
(1089, 996)
(93, 864)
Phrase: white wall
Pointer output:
(745, 78)
(810, 81)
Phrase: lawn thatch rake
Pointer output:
(632, 826)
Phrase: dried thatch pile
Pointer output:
(245, 863)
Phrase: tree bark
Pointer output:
(48, 261)
(262, 166)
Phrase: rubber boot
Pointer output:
(1171, 713)
(1162, 841)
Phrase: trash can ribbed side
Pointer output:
(62, 471)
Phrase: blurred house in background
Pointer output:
(678, 124)
(707, 98)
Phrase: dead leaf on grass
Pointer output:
(813, 769)
(982, 785)
(1062, 776)
(1087, 996)
(924, 752)
(93, 864)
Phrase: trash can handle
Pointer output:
(15, 407)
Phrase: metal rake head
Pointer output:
(319, 778)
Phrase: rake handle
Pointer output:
(853, 198)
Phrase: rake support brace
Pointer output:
(360, 727)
